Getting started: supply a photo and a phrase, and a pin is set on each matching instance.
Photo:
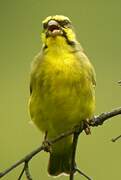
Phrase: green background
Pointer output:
(98, 27)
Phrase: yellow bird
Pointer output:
(62, 88)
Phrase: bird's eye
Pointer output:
(65, 23)
(45, 25)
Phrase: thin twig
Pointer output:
(27, 172)
(21, 174)
(116, 138)
(96, 121)
(83, 174)
(28, 156)
(119, 82)
(100, 119)
(74, 145)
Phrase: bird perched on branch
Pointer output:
(62, 89)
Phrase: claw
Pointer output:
(87, 128)
(47, 146)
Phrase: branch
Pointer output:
(100, 119)
(83, 174)
(26, 170)
(25, 159)
(116, 138)
(119, 82)
(46, 145)
(75, 140)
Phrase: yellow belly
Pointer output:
(62, 96)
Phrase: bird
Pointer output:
(62, 89)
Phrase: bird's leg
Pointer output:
(46, 143)
(87, 127)
(45, 136)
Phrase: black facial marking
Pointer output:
(72, 43)
(45, 25)
(65, 22)
(45, 47)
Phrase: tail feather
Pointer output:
(59, 163)
(60, 158)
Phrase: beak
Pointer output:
(52, 23)
(54, 28)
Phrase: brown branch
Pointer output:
(27, 172)
(119, 82)
(74, 145)
(96, 121)
(28, 157)
(21, 174)
(82, 173)
(116, 138)
(100, 119)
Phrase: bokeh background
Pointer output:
(98, 27)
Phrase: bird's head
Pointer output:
(58, 26)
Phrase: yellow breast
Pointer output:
(63, 89)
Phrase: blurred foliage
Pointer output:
(98, 28)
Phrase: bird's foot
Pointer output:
(47, 146)
(87, 127)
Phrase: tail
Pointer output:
(60, 158)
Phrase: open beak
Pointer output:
(54, 28)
